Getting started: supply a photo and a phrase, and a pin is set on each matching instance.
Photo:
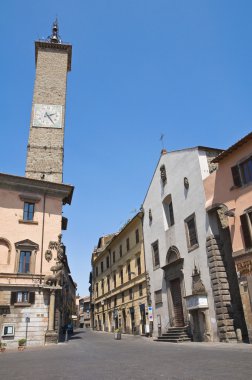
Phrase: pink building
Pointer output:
(229, 205)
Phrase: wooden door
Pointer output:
(177, 303)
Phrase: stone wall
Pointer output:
(221, 291)
(38, 314)
(45, 148)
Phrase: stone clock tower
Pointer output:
(45, 151)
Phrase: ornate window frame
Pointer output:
(26, 245)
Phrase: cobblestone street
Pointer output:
(95, 355)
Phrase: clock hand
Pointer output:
(46, 114)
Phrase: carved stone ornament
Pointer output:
(186, 183)
(163, 174)
(197, 284)
(48, 255)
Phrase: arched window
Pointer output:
(172, 255)
(5, 251)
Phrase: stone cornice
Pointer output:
(54, 46)
(22, 184)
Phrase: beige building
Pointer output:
(37, 293)
(119, 293)
(83, 312)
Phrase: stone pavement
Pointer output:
(94, 355)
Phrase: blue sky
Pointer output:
(140, 68)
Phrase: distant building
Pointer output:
(175, 230)
(119, 293)
(229, 206)
(83, 311)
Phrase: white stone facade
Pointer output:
(183, 186)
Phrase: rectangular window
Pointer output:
(101, 266)
(97, 292)
(108, 283)
(140, 290)
(96, 271)
(120, 250)
(137, 236)
(129, 272)
(128, 244)
(114, 257)
(191, 232)
(102, 286)
(158, 297)
(168, 211)
(155, 255)
(114, 280)
(121, 275)
(246, 224)
(24, 262)
(138, 266)
(131, 294)
(28, 211)
(107, 259)
(22, 297)
(115, 301)
(242, 173)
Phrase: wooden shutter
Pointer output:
(246, 231)
(236, 176)
(32, 297)
(13, 298)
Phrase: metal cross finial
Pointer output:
(162, 140)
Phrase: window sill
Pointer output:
(27, 221)
(156, 267)
(192, 248)
(22, 304)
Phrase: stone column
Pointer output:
(207, 332)
(51, 310)
(51, 335)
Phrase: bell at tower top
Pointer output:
(54, 37)
(54, 42)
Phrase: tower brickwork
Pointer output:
(45, 151)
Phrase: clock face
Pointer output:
(47, 116)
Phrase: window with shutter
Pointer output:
(32, 297)
(13, 298)
(246, 230)
(191, 232)
(155, 255)
(236, 176)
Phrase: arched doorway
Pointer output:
(175, 284)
